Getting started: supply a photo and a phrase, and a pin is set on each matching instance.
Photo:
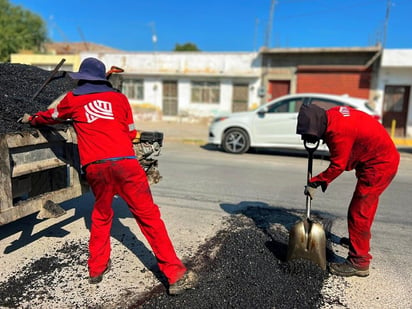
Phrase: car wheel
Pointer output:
(236, 141)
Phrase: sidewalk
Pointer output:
(402, 141)
(175, 131)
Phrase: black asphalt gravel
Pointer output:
(241, 267)
(249, 269)
(18, 84)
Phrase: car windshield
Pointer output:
(325, 103)
(285, 106)
(369, 107)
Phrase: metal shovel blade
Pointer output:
(307, 240)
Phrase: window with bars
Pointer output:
(205, 92)
(133, 89)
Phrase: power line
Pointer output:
(154, 35)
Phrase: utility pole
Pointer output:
(256, 33)
(154, 36)
(83, 38)
(385, 27)
(270, 22)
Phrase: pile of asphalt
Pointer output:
(242, 266)
(249, 270)
(18, 84)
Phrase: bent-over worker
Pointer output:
(356, 141)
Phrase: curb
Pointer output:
(402, 142)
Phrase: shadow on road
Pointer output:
(271, 151)
(30, 233)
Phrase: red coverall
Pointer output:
(104, 126)
(357, 141)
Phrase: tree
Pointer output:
(20, 29)
(186, 47)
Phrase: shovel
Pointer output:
(307, 238)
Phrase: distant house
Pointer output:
(193, 85)
(187, 84)
(351, 70)
(60, 48)
(53, 53)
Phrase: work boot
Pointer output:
(187, 282)
(344, 242)
(99, 278)
(347, 269)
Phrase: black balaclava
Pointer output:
(312, 122)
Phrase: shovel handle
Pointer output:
(113, 69)
(311, 148)
(49, 78)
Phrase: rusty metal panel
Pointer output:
(5, 179)
(36, 167)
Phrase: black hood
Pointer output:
(311, 121)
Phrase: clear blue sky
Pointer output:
(226, 25)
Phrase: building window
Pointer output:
(133, 89)
(205, 92)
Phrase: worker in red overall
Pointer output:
(103, 120)
(355, 141)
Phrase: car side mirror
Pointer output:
(261, 112)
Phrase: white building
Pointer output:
(394, 90)
(192, 84)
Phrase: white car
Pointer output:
(273, 125)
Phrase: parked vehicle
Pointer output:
(273, 125)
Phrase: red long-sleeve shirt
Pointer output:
(355, 140)
(103, 123)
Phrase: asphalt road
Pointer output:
(200, 187)
(276, 179)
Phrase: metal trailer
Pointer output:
(38, 169)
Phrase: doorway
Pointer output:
(169, 98)
(278, 88)
(395, 109)
(240, 97)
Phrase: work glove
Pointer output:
(311, 187)
(25, 119)
(137, 138)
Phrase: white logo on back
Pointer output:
(98, 110)
(344, 110)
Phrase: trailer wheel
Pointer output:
(236, 141)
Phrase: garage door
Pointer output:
(354, 82)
